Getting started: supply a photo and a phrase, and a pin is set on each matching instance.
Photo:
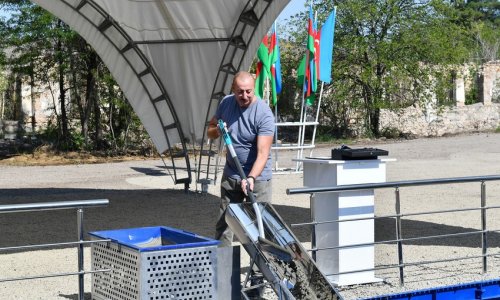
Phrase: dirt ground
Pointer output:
(142, 194)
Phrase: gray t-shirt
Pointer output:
(244, 125)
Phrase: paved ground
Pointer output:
(141, 194)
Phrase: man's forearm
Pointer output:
(258, 166)
(263, 149)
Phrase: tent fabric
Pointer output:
(166, 54)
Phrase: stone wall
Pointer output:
(449, 120)
(432, 120)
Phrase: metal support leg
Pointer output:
(79, 220)
(399, 237)
(248, 279)
(313, 233)
(484, 235)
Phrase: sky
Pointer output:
(293, 7)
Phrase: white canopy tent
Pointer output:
(173, 59)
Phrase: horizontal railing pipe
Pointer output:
(10, 208)
(53, 275)
(79, 205)
(394, 216)
(378, 268)
(27, 247)
(390, 184)
(398, 240)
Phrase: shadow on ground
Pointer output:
(192, 212)
(86, 296)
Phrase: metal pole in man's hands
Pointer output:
(229, 144)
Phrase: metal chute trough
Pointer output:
(282, 260)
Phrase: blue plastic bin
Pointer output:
(153, 263)
(154, 238)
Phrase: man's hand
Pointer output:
(250, 182)
(213, 130)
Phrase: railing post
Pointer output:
(79, 220)
(313, 233)
(399, 237)
(484, 236)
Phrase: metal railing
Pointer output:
(398, 219)
(79, 205)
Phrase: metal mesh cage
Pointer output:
(123, 281)
(179, 273)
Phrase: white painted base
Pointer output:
(332, 206)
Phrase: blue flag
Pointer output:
(277, 63)
(326, 48)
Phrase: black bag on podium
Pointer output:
(347, 153)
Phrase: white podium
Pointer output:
(324, 172)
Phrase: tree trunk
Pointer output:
(18, 100)
(89, 93)
(374, 121)
(62, 91)
(33, 101)
(97, 114)
(78, 98)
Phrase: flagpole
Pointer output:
(275, 122)
(317, 117)
(305, 108)
(276, 137)
(266, 92)
(303, 132)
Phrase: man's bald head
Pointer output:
(242, 76)
(244, 88)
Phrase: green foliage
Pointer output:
(388, 54)
(44, 49)
(391, 133)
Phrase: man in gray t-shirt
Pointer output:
(250, 123)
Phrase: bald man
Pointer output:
(250, 123)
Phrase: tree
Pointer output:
(482, 19)
(46, 51)
(35, 38)
(387, 53)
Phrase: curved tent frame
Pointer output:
(174, 60)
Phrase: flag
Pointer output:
(263, 67)
(326, 47)
(301, 71)
(310, 83)
(275, 63)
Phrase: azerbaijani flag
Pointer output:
(275, 64)
(311, 75)
(326, 45)
(263, 67)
